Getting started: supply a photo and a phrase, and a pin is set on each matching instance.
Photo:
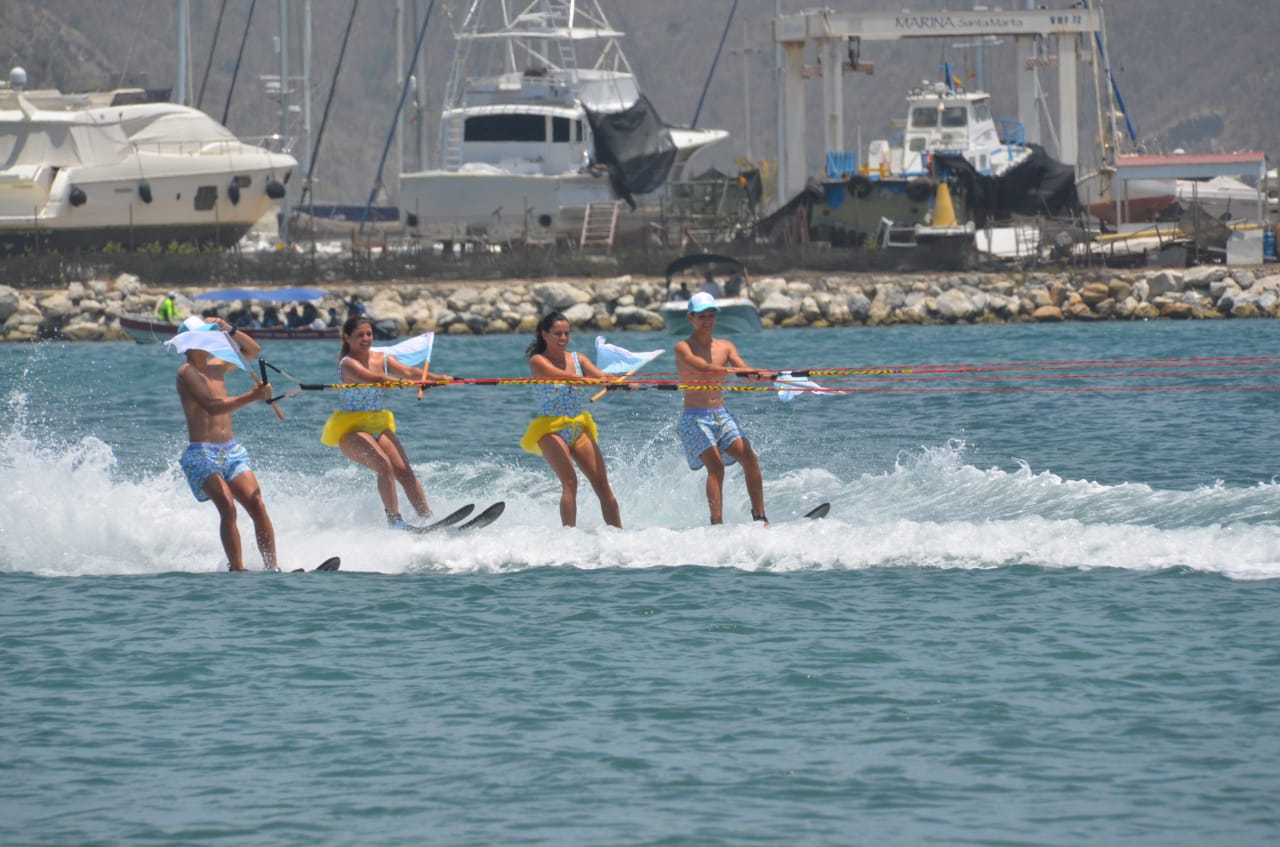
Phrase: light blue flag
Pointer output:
(197, 335)
(412, 351)
(613, 359)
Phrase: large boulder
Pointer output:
(560, 296)
(9, 302)
(954, 305)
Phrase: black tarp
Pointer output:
(636, 147)
(1038, 186)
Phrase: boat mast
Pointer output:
(184, 15)
(284, 110)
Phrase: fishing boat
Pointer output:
(125, 167)
(543, 128)
(927, 186)
(147, 329)
(738, 312)
(944, 117)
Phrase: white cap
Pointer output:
(193, 323)
(702, 301)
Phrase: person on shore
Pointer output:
(709, 433)
(216, 466)
(167, 310)
(364, 429)
(563, 432)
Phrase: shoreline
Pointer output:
(90, 311)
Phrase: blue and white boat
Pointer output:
(725, 278)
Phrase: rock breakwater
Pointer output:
(91, 311)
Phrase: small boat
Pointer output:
(148, 329)
(738, 312)
(1140, 200)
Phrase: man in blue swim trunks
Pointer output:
(216, 466)
(710, 433)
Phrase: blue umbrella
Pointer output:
(278, 295)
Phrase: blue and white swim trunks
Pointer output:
(202, 460)
(703, 428)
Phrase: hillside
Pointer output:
(1192, 74)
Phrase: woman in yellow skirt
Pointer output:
(363, 428)
(563, 432)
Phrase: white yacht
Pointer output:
(82, 171)
(542, 119)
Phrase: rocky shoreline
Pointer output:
(90, 311)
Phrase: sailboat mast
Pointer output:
(184, 15)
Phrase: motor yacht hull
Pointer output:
(81, 176)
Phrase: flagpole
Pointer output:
(604, 391)
(422, 388)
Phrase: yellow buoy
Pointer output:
(944, 214)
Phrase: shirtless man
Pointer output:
(709, 432)
(216, 467)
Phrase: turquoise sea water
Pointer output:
(1043, 609)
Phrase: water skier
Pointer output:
(563, 432)
(710, 433)
(365, 430)
(215, 465)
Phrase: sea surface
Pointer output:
(1044, 608)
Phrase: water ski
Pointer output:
(819, 511)
(485, 518)
(448, 520)
(331, 564)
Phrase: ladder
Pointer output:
(453, 144)
(600, 224)
(562, 14)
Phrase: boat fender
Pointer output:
(412, 220)
(920, 190)
(275, 190)
(544, 221)
(859, 186)
(77, 196)
(144, 191)
(233, 192)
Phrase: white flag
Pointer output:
(412, 351)
(790, 387)
(613, 359)
(208, 338)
